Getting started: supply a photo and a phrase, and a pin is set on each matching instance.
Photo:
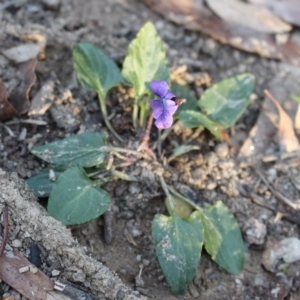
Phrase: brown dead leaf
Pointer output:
(251, 16)
(194, 16)
(32, 286)
(286, 134)
(289, 10)
(7, 111)
(261, 136)
(18, 100)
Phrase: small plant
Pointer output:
(82, 163)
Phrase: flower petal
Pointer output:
(159, 88)
(164, 121)
(169, 95)
(158, 108)
(170, 106)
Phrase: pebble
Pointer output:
(136, 232)
(161, 278)
(222, 150)
(258, 281)
(212, 159)
(146, 262)
(255, 231)
(51, 4)
(55, 273)
(138, 257)
(16, 243)
(272, 174)
(79, 276)
(134, 188)
(211, 185)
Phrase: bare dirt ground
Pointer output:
(208, 175)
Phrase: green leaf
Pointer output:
(178, 245)
(95, 70)
(184, 149)
(145, 61)
(75, 199)
(181, 207)
(295, 98)
(225, 101)
(83, 149)
(192, 119)
(41, 184)
(222, 238)
(184, 92)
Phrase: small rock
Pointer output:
(134, 188)
(51, 4)
(24, 269)
(255, 231)
(222, 150)
(287, 249)
(79, 276)
(138, 257)
(15, 295)
(211, 159)
(161, 278)
(258, 281)
(211, 185)
(22, 135)
(22, 52)
(55, 273)
(136, 232)
(16, 243)
(33, 269)
(146, 262)
(272, 175)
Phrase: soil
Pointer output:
(121, 240)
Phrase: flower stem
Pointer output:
(135, 112)
(143, 113)
(145, 141)
(169, 197)
(105, 116)
(194, 205)
(165, 134)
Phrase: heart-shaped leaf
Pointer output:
(145, 61)
(83, 149)
(192, 119)
(184, 92)
(75, 199)
(178, 245)
(95, 70)
(225, 101)
(42, 183)
(222, 238)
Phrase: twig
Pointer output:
(261, 202)
(5, 231)
(278, 195)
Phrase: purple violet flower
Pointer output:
(165, 107)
